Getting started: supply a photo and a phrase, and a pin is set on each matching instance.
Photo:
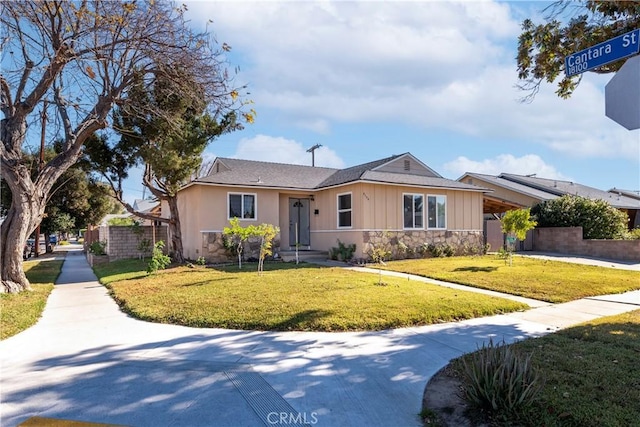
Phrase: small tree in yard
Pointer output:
(516, 223)
(238, 236)
(266, 232)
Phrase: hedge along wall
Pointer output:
(568, 240)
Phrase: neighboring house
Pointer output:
(398, 198)
(148, 206)
(511, 191)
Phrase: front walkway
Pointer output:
(86, 360)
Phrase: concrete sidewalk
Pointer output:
(86, 360)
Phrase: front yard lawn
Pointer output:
(20, 311)
(288, 297)
(551, 281)
(591, 374)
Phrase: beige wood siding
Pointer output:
(204, 208)
(400, 166)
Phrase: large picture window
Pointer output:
(437, 211)
(344, 210)
(413, 209)
(242, 206)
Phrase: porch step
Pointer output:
(303, 255)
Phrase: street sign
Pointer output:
(603, 53)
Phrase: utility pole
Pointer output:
(313, 154)
(40, 166)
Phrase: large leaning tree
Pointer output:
(169, 145)
(81, 57)
(570, 27)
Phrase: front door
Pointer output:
(299, 233)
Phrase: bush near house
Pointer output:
(598, 219)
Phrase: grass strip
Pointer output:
(21, 311)
(544, 280)
(289, 297)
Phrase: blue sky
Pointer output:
(437, 79)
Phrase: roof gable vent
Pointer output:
(407, 165)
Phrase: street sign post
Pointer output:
(624, 45)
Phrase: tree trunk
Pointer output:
(175, 234)
(23, 217)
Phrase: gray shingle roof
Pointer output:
(353, 173)
(251, 173)
(423, 181)
(559, 188)
(514, 186)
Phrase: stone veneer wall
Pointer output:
(414, 239)
(568, 240)
(213, 249)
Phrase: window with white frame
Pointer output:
(413, 210)
(242, 206)
(344, 210)
(437, 211)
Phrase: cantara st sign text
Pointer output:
(603, 53)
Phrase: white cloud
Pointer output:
(441, 65)
(281, 150)
(507, 163)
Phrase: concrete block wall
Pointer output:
(568, 240)
(122, 242)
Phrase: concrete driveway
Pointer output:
(86, 360)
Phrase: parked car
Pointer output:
(53, 239)
(28, 250)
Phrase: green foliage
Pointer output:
(633, 234)
(98, 248)
(159, 261)
(267, 233)
(122, 222)
(499, 381)
(342, 252)
(201, 261)
(437, 250)
(598, 219)
(236, 235)
(570, 27)
(517, 223)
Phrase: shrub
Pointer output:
(633, 234)
(342, 252)
(159, 261)
(201, 261)
(499, 381)
(118, 221)
(98, 248)
(598, 219)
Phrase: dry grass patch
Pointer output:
(543, 280)
(289, 297)
(21, 311)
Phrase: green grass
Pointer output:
(288, 297)
(20, 311)
(591, 374)
(551, 281)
